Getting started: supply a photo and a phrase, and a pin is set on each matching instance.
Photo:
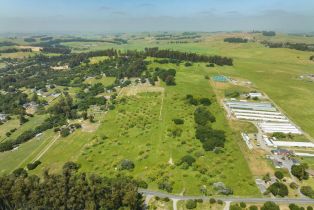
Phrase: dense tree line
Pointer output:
(295, 46)
(236, 40)
(68, 190)
(184, 56)
(14, 50)
(30, 39)
(210, 138)
(269, 33)
(168, 76)
(6, 43)
(59, 49)
(47, 38)
(177, 37)
(57, 42)
(12, 103)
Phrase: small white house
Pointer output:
(3, 117)
(255, 95)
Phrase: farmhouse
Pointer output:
(254, 95)
(282, 152)
(65, 67)
(277, 164)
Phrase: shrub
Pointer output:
(165, 185)
(269, 205)
(293, 206)
(309, 208)
(232, 93)
(210, 65)
(188, 159)
(235, 207)
(293, 185)
(187, 64)
(212, 200)
(126, 165)
(190, 204)
(279, 135)
(192, 100)
(307, 191)
(142, 184)
(202, 116)
(178, 121)
(279, 175)
(278, 189)
(220, 202)
(33, 165)
(299, 171)
(205, 101)
(65, 132)
(253, 207)
(243, 205)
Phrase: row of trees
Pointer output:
(14, 50)
(236, 40)
(6, 43)
(184, 56)
(58, 49)
(296, 46)
(210, 138)
(68, 190)
(269, 33)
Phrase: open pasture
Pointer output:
(141, 129)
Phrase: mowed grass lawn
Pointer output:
(25, 153)
(15, 123)
(106, 81)
(139, 129)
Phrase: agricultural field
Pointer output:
(136, 123)
(106, 81)
(140, 129)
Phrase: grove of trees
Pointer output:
(68, 190)
(236, 40)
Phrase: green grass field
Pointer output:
(139, 130)
(106, 81)
(25, 153)
(273, 71)
(15, 123)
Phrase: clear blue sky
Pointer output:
(155, 15)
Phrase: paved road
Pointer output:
(228, 199)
